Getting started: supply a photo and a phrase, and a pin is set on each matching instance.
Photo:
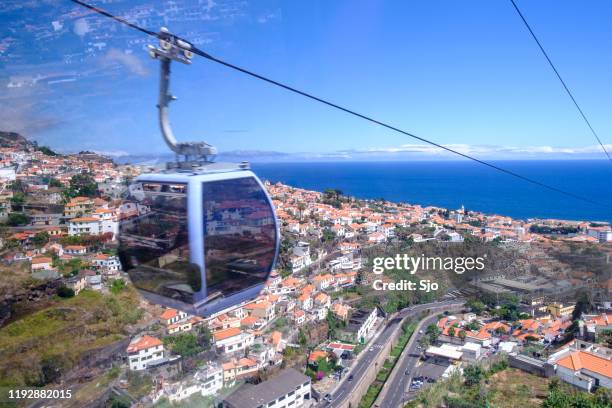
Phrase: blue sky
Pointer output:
(464, 74)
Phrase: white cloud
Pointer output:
(81, 27)
(130, 61)
(271, 16)
(488, 150)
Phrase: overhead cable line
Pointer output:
(186, 45)
(561, 79)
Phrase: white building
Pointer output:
(210, 379)
(108, 263)
(586, 368)
(233, 339)
(143, 351)
(300, 257)
(84, 226)
(289, 388)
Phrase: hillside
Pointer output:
(15, 140)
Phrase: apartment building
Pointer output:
(289, 388)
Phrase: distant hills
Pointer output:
(20, 142)
(13, 139)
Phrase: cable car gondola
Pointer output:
(198, 236)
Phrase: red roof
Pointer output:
(143, 343)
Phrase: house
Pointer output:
(210, 379)
(304, 301)
(376, 237)
(585, 369)
(78, 206)
(232, 340)
(340, 311)
(322, 300)
(238, 369)
(143, 351)
(300, 257)
(93, 280)
(317, 355)
(289, 388)
(84, 226)
(299, 317)
(108, 263)
(75, 250)
(77, 283)
(42, 263)
(323, 282)
(261, 309)
(171, 316)
(179, 327)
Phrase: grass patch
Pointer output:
(37, 348)
(508, 388)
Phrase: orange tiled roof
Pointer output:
(169, 314)
(317, 354)
(227, 333)
(579, 360)
(143, 343)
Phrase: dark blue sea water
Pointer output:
(453, 183)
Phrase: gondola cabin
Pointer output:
(199, 241)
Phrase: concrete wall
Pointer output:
(531, 365)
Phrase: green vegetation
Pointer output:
(82, 185)
(139, 384)
(40, 239)
(15, 219)
(65, 292)
(46, 150)
(189, 344)
(42, 345)
(503, 387)
(322, 367)
(431, 334)
(476, 306)
(561, 396)
(334, 324)
(117, 285)
(560, 230)
(606, 337)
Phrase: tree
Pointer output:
(51, 369)
(328, 235)
(432, 332)
(204, 337)
(451, 331)
(185, 344)
(18, 198)
(40, 239)
(47, 151)
(15, 219)
(472, 374)
(65, 292)
(82, 185)
(55, 183)
(556, 398)
(117, 285)
(583, 305)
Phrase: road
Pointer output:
(397, 386)
(370, 354)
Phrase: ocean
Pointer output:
(451, 184)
